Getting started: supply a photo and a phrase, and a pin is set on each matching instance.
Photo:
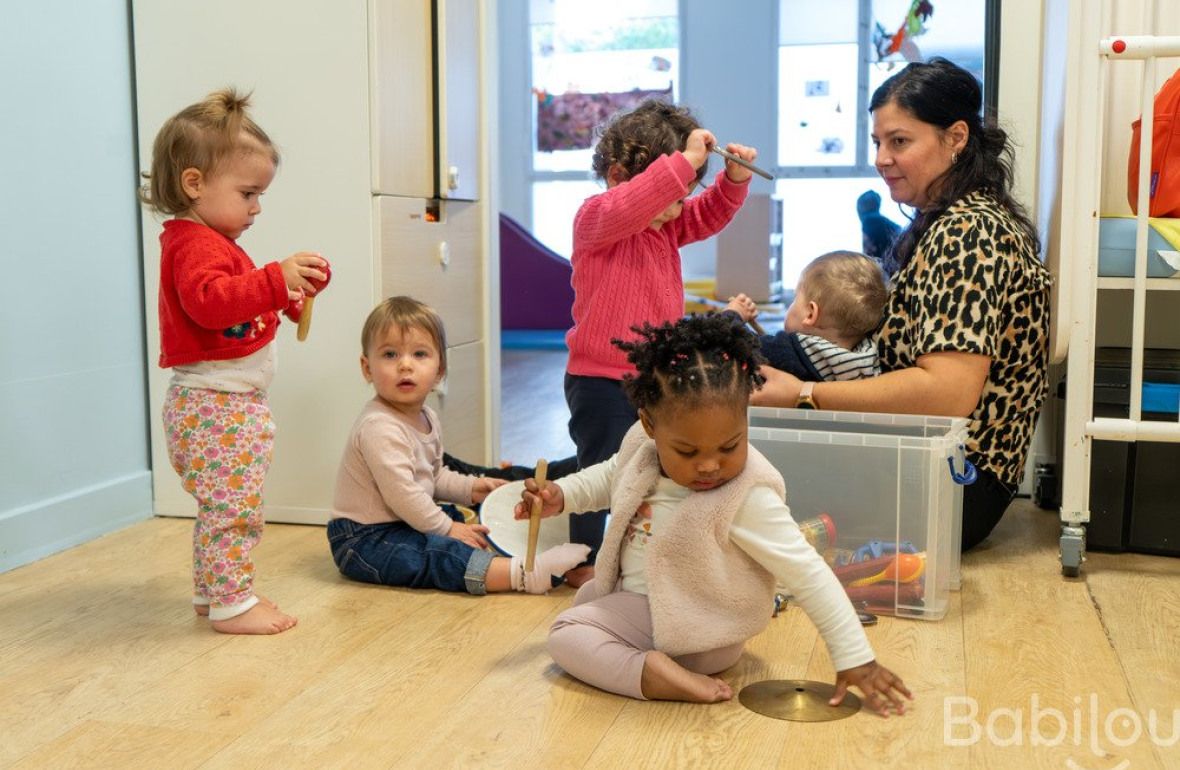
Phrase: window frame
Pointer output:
(863, 168)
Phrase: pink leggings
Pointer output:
(603, 640)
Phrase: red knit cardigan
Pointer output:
(215, 304)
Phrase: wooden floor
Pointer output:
(103, 664)
(535, 421)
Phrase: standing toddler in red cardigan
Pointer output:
(218, 314)
(626, 267)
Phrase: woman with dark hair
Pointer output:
(964, 330)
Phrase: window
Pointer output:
(585, 57)
(832, 56)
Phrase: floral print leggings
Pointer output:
(220, 444)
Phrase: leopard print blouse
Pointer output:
(976, 285)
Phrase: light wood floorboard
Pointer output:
(103, 664)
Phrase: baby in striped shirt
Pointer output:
(826, 336)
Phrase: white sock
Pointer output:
(556, 561)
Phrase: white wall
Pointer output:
(309, 70)
(74, 458)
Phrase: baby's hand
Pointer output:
(733, 171)
(296, 270)
(472, 534)
(780, 389)
(552, 500)
(698, 146)
(744, 307)
(880, 688)
(483, 487)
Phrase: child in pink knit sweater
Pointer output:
(626, 267)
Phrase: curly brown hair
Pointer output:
(634, 139)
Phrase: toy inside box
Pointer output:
(879, 495)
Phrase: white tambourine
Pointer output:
(511, 537)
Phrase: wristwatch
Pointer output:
(806, 400)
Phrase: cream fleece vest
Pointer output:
(705, 593)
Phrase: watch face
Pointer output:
(808, 404)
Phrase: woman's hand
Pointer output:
(881, 689)
(483, 487)
(780, 389)
(552, 500)
(472, 534)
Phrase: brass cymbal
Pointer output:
(797, 700)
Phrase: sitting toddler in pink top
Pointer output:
(385, 525)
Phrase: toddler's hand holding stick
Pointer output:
(742, 162)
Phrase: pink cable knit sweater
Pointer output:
(625, 273)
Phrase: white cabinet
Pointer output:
(437, 262)
(458, 99)
(460, 401)
(345, 90)
(426, 127)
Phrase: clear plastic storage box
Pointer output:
(879, 495)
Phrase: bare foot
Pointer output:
(259, 619)
(579, 576)
(203, 609)
(665, 679)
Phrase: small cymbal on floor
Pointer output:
(797, 700)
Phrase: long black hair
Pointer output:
(941, 93)
(696, 360)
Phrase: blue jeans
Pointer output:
(600, 415)
(396, 554)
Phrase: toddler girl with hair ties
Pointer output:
(699, 537)
(218, 311)
(626, 265)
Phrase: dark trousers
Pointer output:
(600, 415)
(984, 503)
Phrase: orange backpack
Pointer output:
(1164, 183)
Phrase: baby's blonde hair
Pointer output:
(406, 313)
(200, 136)
(849, 289)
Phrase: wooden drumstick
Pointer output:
(309, 301)
(305, 318)
(535, 515)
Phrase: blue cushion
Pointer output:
(1116, 249)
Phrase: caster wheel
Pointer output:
(1070, 572)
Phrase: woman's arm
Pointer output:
(944, 383)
